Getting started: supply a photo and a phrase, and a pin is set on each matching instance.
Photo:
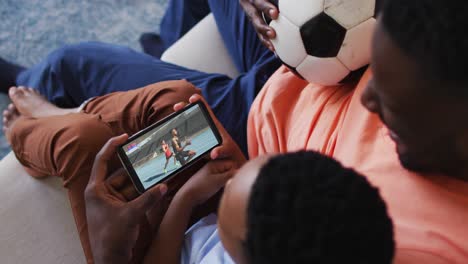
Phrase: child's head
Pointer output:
(303, 208)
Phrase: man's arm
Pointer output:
(113, 223)
(167, 245)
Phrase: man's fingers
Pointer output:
(220, 166)
(147, 200)
(223, 152)
(118, 179)
(179, 106)
(99, 171)
(253, 13)
(256, 11)
(220, 152)
(266, 42)
(267, 7)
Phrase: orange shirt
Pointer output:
(430, 212)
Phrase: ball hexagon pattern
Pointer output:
(322, 36)
(324, 41)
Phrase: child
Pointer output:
(294, 208)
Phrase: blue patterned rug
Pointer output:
(30, 29)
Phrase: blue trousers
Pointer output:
(74, 73)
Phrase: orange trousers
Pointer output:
(65, 146)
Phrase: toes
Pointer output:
(6, 114)
(31, 90)
(34, 91)
(12, 108)
(12, 91)
(10, 113)
(22, 90)
(16, 92)
(6, 122)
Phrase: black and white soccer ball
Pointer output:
(324, 41)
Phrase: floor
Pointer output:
(30, 29)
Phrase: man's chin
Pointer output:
(413, 164)
(422, 162)
(409, 165)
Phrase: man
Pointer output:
(182, 155)
(413, 100)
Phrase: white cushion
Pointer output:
(203, 49)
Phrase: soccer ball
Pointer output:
(324, 41)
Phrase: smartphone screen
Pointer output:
(162, 150)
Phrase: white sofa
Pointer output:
(37, 225)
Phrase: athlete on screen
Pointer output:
(167, 151)
(183, 156)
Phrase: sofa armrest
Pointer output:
(203, 49)
(36, 218)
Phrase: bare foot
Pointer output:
(10, 116)
(30, 103)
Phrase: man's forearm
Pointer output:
(167, 245)
(111, 258)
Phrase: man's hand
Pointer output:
(229, 149)
(112, 222)
(206, 182)
(254, 9)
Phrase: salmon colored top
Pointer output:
(430, 212)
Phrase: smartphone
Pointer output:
(166, 148)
